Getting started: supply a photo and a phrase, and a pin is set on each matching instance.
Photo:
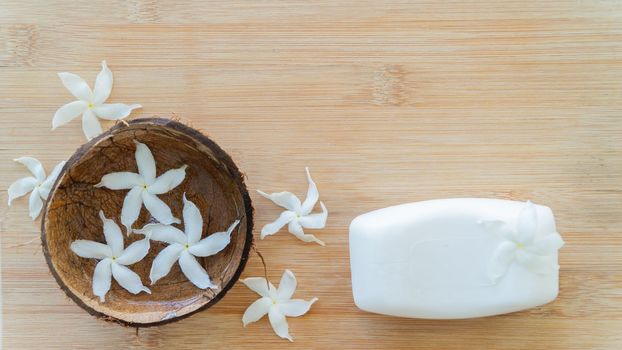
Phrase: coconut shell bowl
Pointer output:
(213, 182)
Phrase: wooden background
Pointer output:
(387, 102)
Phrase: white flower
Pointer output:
(184, 246)
(90, 103)
(297, 216)
(39, 184)
(277, 303)
(521, 245)
(114, 259)
(144, 187)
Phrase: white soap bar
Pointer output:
(454, 258)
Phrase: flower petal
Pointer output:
(284, 199)
(296, 307)
(277, 225)
(312, 195)
(90, 249)
(34, 166)
(103, 85)
(527, 223)
(548, 245)
(123, 180)
(21, 187)
(193, 221)
(68, 112)
(163, 233)
(164, 261)
(194, 271)
(168, 180)
(128, 279)
(90, 124)
(158, 209)
(538, 264)
(76, 86)
(502, 258)
(102, 278)
(145, 162)
(499, 227)
(287, 286)
(295, 228)
(279, 323)
(135, 252)
(213, 243)
(113, 234)
(114, 111)
(46, 186)
(256, 310)
(131, 207)
(260, 286)
(315, 221)
(35, 204)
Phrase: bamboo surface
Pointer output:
(387, 102)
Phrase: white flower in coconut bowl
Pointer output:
(297, 216)
(144, 188)
(277, 303)
(521, 245)
(113, 260)
(90, 103)
(39, 184)
(185, 246)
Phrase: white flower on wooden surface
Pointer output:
(276, 303)
(38, 185)
(298, 215)
(90, 103)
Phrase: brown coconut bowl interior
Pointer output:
(212, 182)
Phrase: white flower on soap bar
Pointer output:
(297, 216)
(90, 103)
(277, 303)
(39, 184)
(144, 188)
(521, 245)
(185, 246)
(113, 259)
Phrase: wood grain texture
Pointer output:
(386, 101)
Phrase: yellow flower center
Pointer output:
(114, 258)
(187, 246)
(91, 105)
(520, 246)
